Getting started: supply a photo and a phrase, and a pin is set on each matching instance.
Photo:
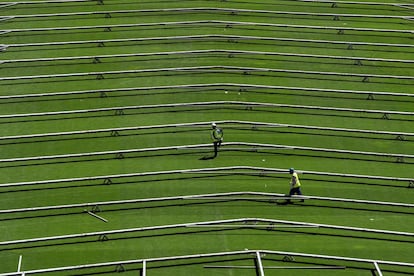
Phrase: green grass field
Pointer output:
(308, 61)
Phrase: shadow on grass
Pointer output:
(265, 203)
(191, 152)
(71, 185)
(110, 157)
(185, 232)
(98, 238)
(146, 206)
(102, 135)
(316, 133)
(96, 95)
(177, 263)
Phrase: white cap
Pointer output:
(213, 124)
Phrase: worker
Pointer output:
(294, 184)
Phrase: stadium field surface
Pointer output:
(107, 161)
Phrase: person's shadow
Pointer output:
(207, 157)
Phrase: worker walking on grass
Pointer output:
(217, 137)
(294, 184)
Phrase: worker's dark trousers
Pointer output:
(294, 191)
(216, 147)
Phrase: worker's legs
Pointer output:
(295, 191)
